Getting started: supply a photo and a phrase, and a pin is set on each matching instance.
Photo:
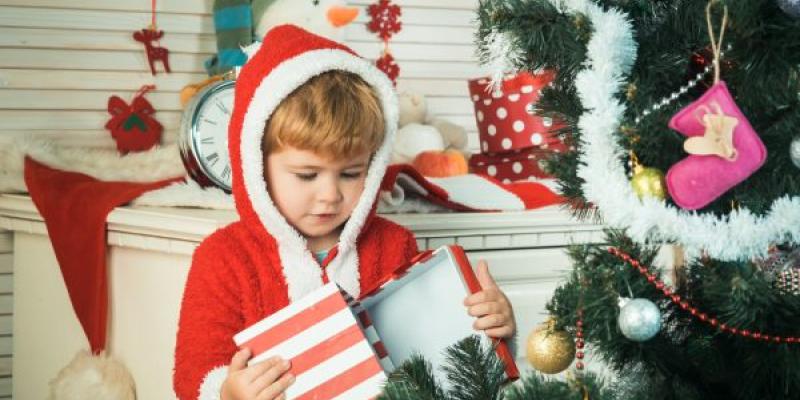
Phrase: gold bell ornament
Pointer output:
(550, 351)
(647, 182)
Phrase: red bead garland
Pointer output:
(579, 343)
(703, 317)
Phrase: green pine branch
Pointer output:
(474, 372)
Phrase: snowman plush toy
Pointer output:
(239, 23)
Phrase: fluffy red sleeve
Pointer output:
(411, 247)
(210, 315)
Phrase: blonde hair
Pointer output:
(334, 114)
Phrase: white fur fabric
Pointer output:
(93, 377)
(187, 194)
(211, 387)
(100, 163)
(107, 165)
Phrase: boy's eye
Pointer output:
(306, 177)
(351, 175)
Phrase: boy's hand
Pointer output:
(491, 306)
(263, 381)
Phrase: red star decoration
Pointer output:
(385, 19)
(389, 66)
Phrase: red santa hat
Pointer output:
(287, 58)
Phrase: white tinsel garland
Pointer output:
(503, 57)
(741, 235)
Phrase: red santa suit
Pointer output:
(258, 265)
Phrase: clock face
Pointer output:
(210, 133)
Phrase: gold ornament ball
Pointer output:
(648, 182)
(550, 351)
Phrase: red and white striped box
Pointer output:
(333, 356)
(503, 116)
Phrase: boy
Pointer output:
(309, 138)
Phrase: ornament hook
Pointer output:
(716, 45)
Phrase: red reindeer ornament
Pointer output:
(133, 126)
(154, 53)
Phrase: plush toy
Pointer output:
(240, 23)
(323, 17)
(418, 134)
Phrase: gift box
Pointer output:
(341, 348)
(518, 165)
(333, 355)
(505, 115)
(422, 311)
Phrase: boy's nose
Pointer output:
(330, 193)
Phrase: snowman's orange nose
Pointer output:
(340, 16)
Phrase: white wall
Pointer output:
(61, 60)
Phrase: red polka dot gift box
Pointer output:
(504, 116)
(518, 165)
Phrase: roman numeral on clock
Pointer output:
(212, 159)
(207, 140)
(226, 172)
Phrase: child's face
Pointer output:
(316, 195)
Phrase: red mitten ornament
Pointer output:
(724, 149)
(133, 126)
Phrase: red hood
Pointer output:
(288, 57)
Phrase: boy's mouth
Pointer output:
(325, 216)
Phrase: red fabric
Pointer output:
(503, 118)
(74, 207)
(515, 166)
(236, 280)
(449, 192)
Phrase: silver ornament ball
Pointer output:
(639, 320)
(794, 150)
(791, 7)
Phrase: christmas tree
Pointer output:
(684, 117)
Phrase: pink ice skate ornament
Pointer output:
(712, 123)
(724, 148)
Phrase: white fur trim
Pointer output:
(211, 388)
(740, 235)
(186, 194)
(100, 163)
(90, 376)
(301, 271)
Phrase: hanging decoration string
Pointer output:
(153, 25)
(143, 90)
(716, 45)
(694, 311)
